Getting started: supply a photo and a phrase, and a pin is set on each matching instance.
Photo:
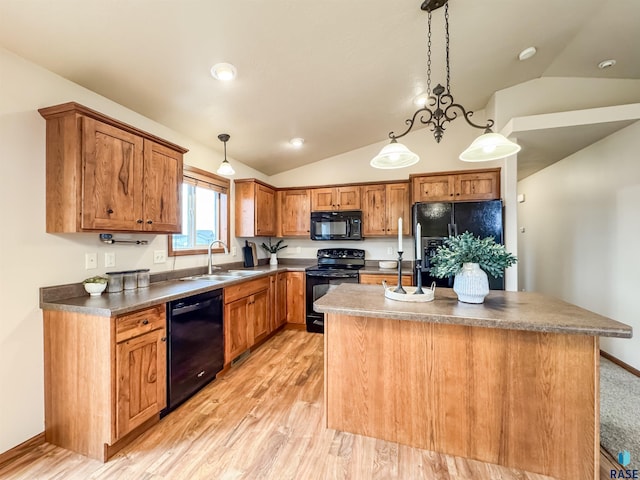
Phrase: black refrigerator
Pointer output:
(440, 220)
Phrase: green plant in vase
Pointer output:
(469, 259)
(272, 249)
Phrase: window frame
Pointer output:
(198, 177)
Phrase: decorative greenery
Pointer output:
(466, 248)
(97, 279)
(271, 248)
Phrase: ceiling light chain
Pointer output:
(489, 146)
(429, 59)
(446, 26)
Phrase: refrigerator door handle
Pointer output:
(455, 229)
(449, 229)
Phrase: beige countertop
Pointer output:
(112, 304)
(528, 311)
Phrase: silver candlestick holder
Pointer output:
(399, 288)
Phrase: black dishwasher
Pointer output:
(196, 345)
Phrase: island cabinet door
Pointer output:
(141, 380)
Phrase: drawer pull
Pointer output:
(145, 322)
(163, 339)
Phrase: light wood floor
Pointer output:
(263, 420)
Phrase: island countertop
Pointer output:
(528, 311)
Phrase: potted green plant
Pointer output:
(469, 259)
(272, 249)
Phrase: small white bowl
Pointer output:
(388, 264)
(95, 289)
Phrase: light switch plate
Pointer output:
(159, 256)
(110, 259)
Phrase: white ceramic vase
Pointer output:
(274, 260)
(471, 284)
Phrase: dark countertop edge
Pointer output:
(624, 331)
(474, 322)
(81, 304)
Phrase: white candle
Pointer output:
(400, 234)
(418, 242)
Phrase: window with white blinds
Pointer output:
(205, 213)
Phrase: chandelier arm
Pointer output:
(451, 114)
(410, 121)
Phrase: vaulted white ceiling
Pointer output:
(339, 73)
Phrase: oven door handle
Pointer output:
(331, 276)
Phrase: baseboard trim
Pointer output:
(620, 363)
(21, 449)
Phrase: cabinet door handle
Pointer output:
(451, 194)
(109, 211)
(458, 193)
(149, 222)
(145, 322)
(163, 339)
(139, 220)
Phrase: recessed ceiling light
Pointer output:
(297, 142)
(421, 100)
(224, 72)
(527, 53)
(606, 64)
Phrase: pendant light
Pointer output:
(440, 109)
(225, 167)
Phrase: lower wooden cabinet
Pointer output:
(105, 377)
(280, 310)
(296, 297)
(390, 278)
(141, 365)
(246, 316)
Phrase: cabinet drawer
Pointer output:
(390, 278)
(245, 289)
(137, 323)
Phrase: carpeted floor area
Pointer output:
(619, 411)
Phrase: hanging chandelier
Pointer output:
(440, 109)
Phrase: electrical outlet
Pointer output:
(159, 256)
(234, 251)
(90, 261)
(110, 259)
(389, 250)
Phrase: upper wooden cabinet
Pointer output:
(456, 186)
(382, 205)
(295, 213)
(105, 175)
(255, 209)
(335, 198)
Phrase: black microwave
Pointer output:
(345, 225)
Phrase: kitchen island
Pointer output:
(513, 381)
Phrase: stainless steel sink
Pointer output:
(211, 278)
(242, 273)
(223, 276)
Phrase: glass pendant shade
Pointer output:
(225, 168)
(489, 146)
(394, 155)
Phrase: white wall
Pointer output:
(582, 226)
(31, 258)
